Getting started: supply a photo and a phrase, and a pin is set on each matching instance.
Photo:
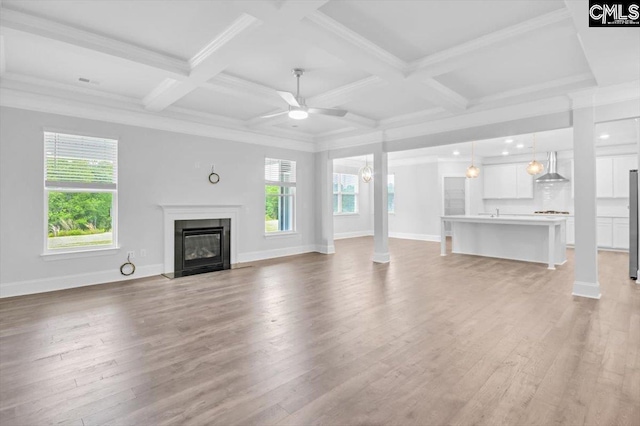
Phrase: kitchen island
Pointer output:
(529, 239)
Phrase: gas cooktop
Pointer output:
(550, 212)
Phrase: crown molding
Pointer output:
(375, 136)
(536, 88)
(132, 113)
(425, 65)
(413, 118)
(600, 96)
(337, 29)
(242, 24)
(412, 161)
(38, 26)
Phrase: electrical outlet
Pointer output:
(197, 165)
(143, 252)
(131, 254)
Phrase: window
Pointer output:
(81, 175)
(345, 193)
(391, 193)
(280, 195)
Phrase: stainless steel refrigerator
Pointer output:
(633, 224)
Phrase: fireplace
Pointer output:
(202, 245)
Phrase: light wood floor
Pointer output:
(311, 339)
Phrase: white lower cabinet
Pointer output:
(621, 233)
(605, 232)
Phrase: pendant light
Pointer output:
(534, 167)
(366, 171)
(472, 171)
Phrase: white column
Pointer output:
(586, 247)
(324, 201)
(380, 214)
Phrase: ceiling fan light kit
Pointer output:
(298, 113)
(298, 109)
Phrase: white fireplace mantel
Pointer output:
(173, 212)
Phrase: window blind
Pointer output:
(80, 161)
(280, 171)
(350, 184)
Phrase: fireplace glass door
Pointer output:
(202, 247)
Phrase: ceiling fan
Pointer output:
(298, 110)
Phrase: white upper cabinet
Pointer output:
(621, 167)
(524, 182)
(612, 176)
(503, 181)
(604, 177)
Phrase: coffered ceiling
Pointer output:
(389, 63)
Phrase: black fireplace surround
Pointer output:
(201, 246)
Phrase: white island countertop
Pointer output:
(526, 238)
(506, 219)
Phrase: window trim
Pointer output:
(340, 193)
(86, 251)
(294, 210)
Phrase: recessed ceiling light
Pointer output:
(508, 141)
(456, 152)
(520, 145)
(604, 136)
(505, 152)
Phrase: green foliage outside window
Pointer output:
(79, 213)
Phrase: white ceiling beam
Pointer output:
(46, 28)
(209, 61)
(236, 40)
(243, 89)
(351, 47)
(343, 94)
(455, 57)
(344, 41)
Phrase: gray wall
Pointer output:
(155, 167)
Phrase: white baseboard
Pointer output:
(419, 237)
(583, 289)
(270, 254)
(326, 249)
(355, 234)
(43, 285)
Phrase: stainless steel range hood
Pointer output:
(552, 174)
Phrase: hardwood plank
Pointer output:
(316, 339)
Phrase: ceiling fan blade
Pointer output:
(275, 114)
(328, 111)
(289, 98)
